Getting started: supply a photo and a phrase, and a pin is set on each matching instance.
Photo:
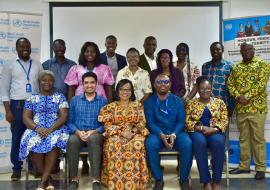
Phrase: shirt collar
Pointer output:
(54, 60)
(97, 97)
(113, 57)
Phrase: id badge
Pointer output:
(28, 88)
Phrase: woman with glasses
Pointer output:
(206, 122)
(124, 160)
(138, 76)
(165, 66)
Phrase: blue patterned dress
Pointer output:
(45, 112)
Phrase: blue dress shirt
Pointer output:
(83, 114)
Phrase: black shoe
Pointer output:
(239, 171)
(159, 185)
(16, 176)
(97, 186)
(85, 169)
(260, 175)
(73, 185)
(184, 185)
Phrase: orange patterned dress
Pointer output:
(124, 164)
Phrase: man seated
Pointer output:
(165, 117)
(85, 130)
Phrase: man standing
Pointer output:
(217, 71)
(59, 65)
(165, 115)
(115, 61)
(85, 130)
(247, 83)
(148, 59)
(19, 80)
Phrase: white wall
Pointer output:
(231, 8)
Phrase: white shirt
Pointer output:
(152, 62)
(14, 79)
(140, 80)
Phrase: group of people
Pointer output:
(125, 110)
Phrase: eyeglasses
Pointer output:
(159, 82)
(205, 90)
(125, 89)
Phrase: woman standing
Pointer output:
(44, 115)
(89, 60)
(165, 66)
(124, 160)
(189, 69)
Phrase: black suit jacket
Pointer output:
(144, 64)
(121, 60)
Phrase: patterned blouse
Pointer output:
(217, 108)
(250, 79)
(116, 119)
(140, 81)
(194, 76)
(104, 76)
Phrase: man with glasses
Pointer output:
(165, 117)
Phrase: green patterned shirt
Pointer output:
(250, 79)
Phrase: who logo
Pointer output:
(3, 35)
(17, 23)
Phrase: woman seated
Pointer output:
(165, 66)
(124, 160)
(44, 116)
(206, 122)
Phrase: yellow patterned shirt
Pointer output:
(250, 79)
(217, 108)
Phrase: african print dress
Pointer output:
(45, 112)
(124, 161)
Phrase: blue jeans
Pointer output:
(216, 144)
(182, 143)
(17, 130)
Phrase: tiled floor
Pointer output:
(237, 182)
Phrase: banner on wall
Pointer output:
(14, 25)
(255, 30)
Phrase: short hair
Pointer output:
(111, 37)
(60, 41)
(122, 83)
(215, 43)
(148, 38)
(245, 44)
(132, 49)
(202, 79)
(20, 39)
(44, 73)
(82, 60)
(89, 74)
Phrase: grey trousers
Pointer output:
(94, 145)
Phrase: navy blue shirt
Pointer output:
(167, 116)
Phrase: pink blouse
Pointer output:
(104, 76)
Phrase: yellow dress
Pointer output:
(124, 164)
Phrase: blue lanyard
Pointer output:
(166, 110)
(27, 73)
